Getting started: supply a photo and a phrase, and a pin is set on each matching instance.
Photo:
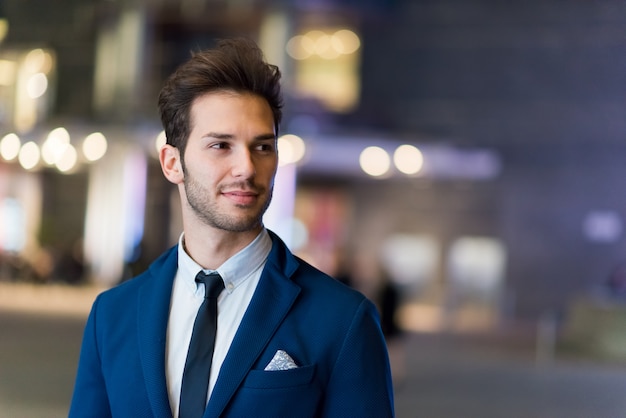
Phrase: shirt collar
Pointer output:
(235, 270)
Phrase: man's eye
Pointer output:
(220, 145)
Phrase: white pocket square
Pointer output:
(281, 361)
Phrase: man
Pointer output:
(290, 340)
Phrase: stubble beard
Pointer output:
(208, 211)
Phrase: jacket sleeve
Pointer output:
(360, 383)
(90, 395)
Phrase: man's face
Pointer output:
(230, 160)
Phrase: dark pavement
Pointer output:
(445, 376)
(459, 377)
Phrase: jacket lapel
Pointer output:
(152, 317)
(272, 300)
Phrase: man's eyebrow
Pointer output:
(219, 135)
(267, 136)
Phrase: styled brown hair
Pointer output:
(233, 65)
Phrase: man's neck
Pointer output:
(211, 247)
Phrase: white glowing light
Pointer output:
(36, 85)
(408, 159)
(291, 149)
(94, 146)
(10, 146)
(68, 158)
(29, 155)
(54, 145)
(374, 161)
(161, 140)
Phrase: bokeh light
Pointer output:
(345, 41)
(300, 47)
(54, 145)
(36, 85)
(408, 159)
(68, 158)
(38, 60)
(374, 161)
(94, 146)
(291, 149)
(10, 146)
(160, 140)
(4, 28)
(319, 43)
(29, 155)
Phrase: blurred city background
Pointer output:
(458, 161)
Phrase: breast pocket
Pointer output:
(272, 394)
(276, 379)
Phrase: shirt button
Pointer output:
(230, 286)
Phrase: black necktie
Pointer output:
(193, 393)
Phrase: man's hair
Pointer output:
(233, 65)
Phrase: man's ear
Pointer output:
(169, 157)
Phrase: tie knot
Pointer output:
(213, 284)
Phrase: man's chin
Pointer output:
(241, 224)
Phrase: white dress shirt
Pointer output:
(241, 274)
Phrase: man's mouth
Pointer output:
(241, 197)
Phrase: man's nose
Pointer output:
(243, 165)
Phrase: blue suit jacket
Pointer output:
(330, 330)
